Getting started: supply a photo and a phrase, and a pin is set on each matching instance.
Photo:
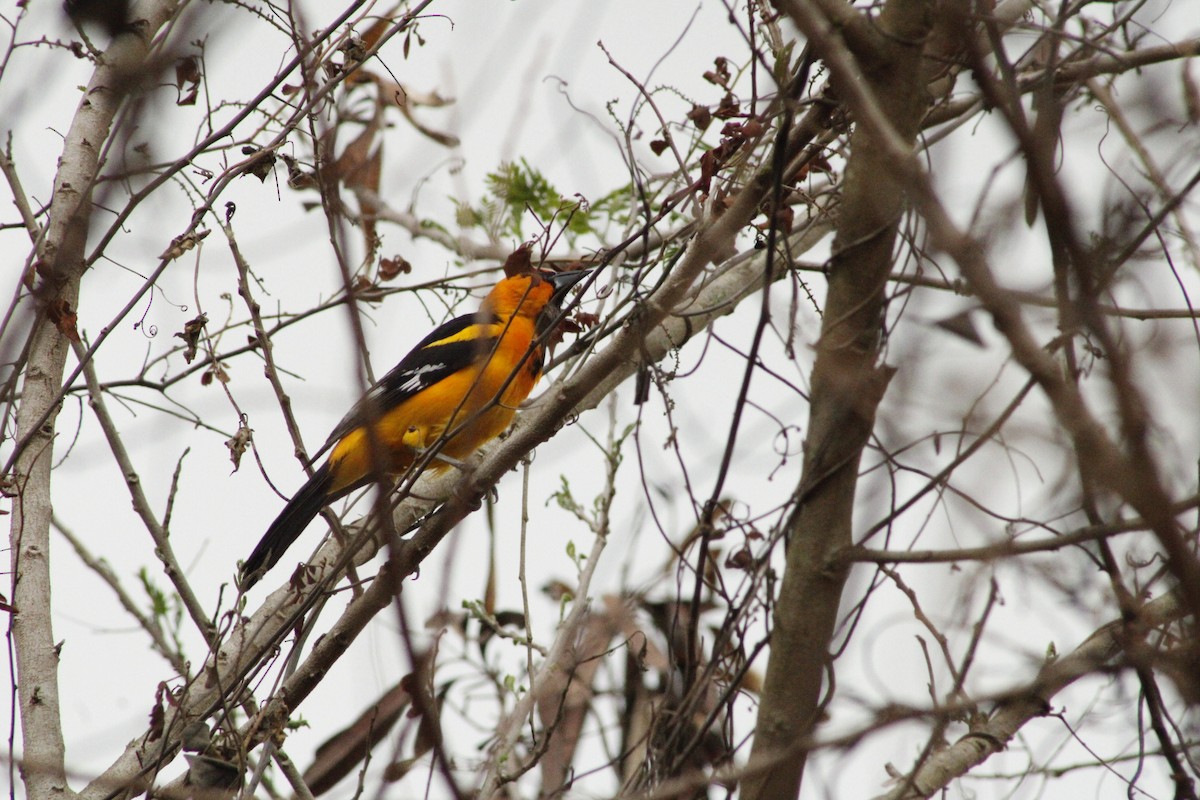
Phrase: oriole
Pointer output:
(465, 380)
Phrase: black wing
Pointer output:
(425, 365)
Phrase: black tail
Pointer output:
(288, 526)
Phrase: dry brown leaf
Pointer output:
(182, 243)
(65, 318)
(728, 108)
(518, 261)
(187, 80)
(444, 139)
(379, 27)
(237, 445)
(261, 163)
(400, 96)
(297, 177)
(370, 181)
(352, 163)
(962, 325)
(216, 371)
(341, 754)
(191, 336)
(720, 75)
(390, 268)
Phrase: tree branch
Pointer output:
(61, 255)
(1006, 720)
(669, 319)
(847, 386)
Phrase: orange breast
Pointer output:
(481, 398)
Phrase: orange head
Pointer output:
(519, 296)
(527, 294)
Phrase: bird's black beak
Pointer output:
(563, 283)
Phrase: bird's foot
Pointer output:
(454, 462)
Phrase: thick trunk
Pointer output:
(60, 267)
(847, 385)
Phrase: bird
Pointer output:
(458, 388)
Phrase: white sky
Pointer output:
(511, 68)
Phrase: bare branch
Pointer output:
(1006, 720)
